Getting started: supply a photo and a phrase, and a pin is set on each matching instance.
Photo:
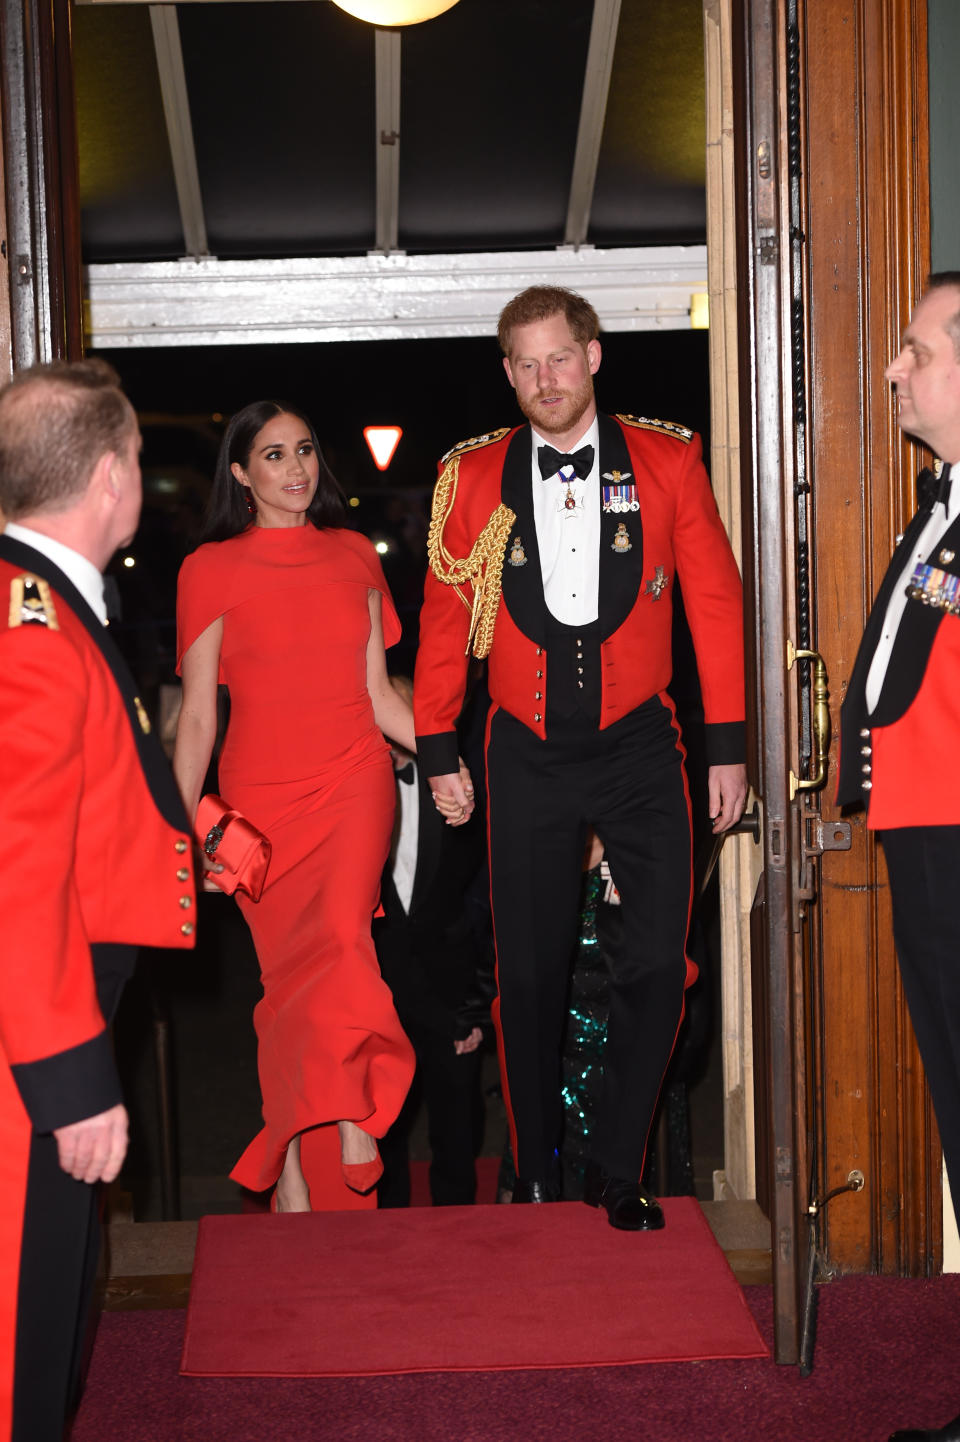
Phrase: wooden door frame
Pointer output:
(831, 144)
(43, 295)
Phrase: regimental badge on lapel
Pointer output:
(618, 496)
(517, 556)
(31, 603)
(621, 541)
(658, 585)
(142, 716)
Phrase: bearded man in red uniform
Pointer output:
(554, 549)
(94, 861)
(900, 721)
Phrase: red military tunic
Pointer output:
(677, 531)
(93, 849)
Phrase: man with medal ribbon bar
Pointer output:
(900, 724)
(554, 547)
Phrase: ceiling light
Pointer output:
(395, 12)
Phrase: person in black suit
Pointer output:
(900, 721)
(431, 957)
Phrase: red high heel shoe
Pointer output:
(362, 1177)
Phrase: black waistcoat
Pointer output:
(573, 683)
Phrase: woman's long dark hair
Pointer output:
(227, 512)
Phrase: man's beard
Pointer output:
(556, 420)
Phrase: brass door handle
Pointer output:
(820, 722)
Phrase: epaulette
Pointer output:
(475, 443)
(665, 428)
(31, 603)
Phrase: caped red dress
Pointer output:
(304, 760)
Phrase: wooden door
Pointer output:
(771, 410)
(833, 202)
(865, 218)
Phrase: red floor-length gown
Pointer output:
(304, 760)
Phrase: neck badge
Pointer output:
(618, 496)
(569, 500)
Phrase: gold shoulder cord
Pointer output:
(482, 569)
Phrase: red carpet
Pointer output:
(331, 1294)
(886, 1357)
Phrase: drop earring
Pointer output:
(250, 503)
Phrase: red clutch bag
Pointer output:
(234, 842)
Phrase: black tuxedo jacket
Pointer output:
(430, 956)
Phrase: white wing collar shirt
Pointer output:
(568, 537)
(941, 517)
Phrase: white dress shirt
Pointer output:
(940, 520)
(83, 573)
(569, 540)
(408, 837)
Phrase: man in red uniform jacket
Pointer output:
(554, 549)
(900, 720)
(94, 861)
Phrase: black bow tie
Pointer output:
(932, 489)
(406, 774)
(551, 461)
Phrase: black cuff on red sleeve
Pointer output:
(726, 743)
(438, 755)
(71, 1085)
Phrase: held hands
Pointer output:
(727, 789)
(93, 1150)
(207, 866)
(453, 795)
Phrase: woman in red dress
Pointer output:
(291, 611)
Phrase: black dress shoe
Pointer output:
(629, 1207)
(949, 1432)
(538, 1190)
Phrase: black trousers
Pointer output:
(923, 863)
(627, 782)
(449, 1086)
(59, 1252)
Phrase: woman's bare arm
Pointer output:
(197, 724)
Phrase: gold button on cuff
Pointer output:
(180, 845)
(186, 901)
(187, 928)
(183, 874)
